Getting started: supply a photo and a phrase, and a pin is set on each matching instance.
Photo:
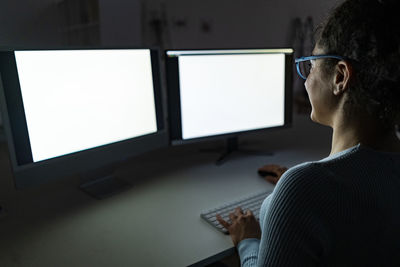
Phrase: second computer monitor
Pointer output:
(221, 93)
(72, 111)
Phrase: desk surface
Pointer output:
(157, 221)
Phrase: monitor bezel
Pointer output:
(25, 175)
(173, 97)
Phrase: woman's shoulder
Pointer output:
(316, 175)
(328, 166)
(306, 170)
(349, 168)
(303, 177)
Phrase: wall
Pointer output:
(206, 23)
(126, 15)
(239, 23)
(29, 23)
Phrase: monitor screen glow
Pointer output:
(76, 100)
(225, 93)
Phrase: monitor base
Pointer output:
(105, 186)
(232, 146)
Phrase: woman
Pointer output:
(343, 210)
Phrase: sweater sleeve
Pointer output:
(293, 231)
(248, 248)
(248, 251)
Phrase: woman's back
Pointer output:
(365, 218)
(340, 211)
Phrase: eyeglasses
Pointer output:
(303, 64)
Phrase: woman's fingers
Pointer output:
(238, 211)
(222, 221)
(233, 216)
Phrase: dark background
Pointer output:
(182, 23)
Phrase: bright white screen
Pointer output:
(80, 99)
(231, 93)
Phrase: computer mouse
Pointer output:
(271, 172)
(264, 173)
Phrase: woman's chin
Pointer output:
(318, 119)
(312, 116)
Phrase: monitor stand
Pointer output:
(102, 183)
(231, 146)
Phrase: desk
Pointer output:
(157, 221)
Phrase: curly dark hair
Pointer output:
(367, 33)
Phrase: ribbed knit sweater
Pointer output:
(343, 210)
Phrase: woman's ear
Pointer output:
(342, 76)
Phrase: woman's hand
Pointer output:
(244, 225)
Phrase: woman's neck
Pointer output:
(348, 133)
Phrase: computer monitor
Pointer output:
(68, 111)
(222, 93)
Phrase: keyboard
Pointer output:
(252, 202)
